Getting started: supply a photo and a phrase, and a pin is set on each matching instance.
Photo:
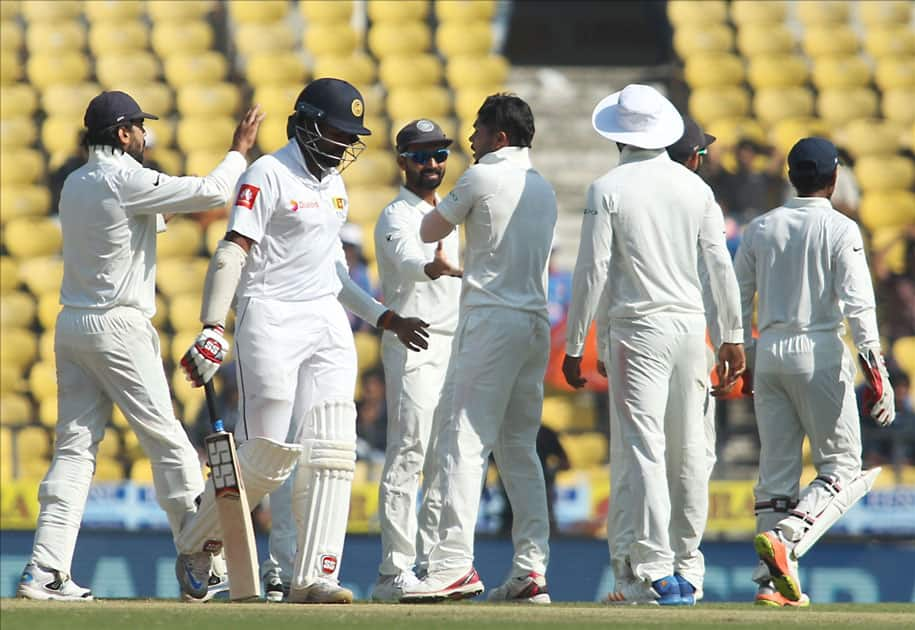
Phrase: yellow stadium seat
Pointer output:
(869, 137)
(777, 71)
(373, 168)
(368, 350)
(467, 102)
(464, 10)
(713, 70)
(9, 274)
(69, 100)
(904, 353)
(10, 67)
(892, 208)
(46, 345)
(215, 232)
(410, 71)
(203, 162)
(558, 413)
(130, 446)
(45, 69)
(276, 100)
(155, 98)
(277, 68)
(259, 11)
(37, 11)
(884, 172)
(18, 310)
(895, 72)
(17, 99)
(168, 160)
(774, 104)
(460, 38)
(730, 131)
(366, 203)
(468, 72)
(216, 99)
(182, 38)
(184, 312)
(112, 38)
(116, 70)
(393, 38)
(117, 418)
(261, 37)
(710, 104)
(426, 102)
(326, 11)
(15, 409)
(48, 310)
(841, 72)
(683, 12)
(883, 12)
(785, 133)
(200, 133)
(17, 132)
(195, 69)
(838, 106)
(830, 40)
(890, 41)
(823, 12)
(110, 446)
(697, 39)
(61, 134)
(10, 35)
(584, 449)
(108, 469)
(896, 105)
(338, 39)
(182, 238)
(161, 315)
(19, 348)
(113, 10)
(9, 10)
(21, 167)
(47, 412)
(33, 236)
(141, 471)
(745, 12)
(358, 68)
(66, 37)
(272, 134)
(397, 11)
(765, 39)
(43, 380)
(457, 164)
(379, 138)
(160, 11)
(891, 242)
(42, 274)
(181, 275)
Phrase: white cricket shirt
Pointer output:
(402, 257)
(509, 213)
(645, 225)
(109, 211)
(806, 261)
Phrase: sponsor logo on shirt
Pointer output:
(295, 205)
(246, 196)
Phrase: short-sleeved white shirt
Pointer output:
(402, 258)
(294, 220)
(509, 214)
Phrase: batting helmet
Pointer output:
(332, 101)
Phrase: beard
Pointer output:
(136, 151)
(422, 181)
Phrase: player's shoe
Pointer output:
(768, 596)
(528, 589)
(390, 588)
(662, 592)
(689, 594)
(274, 588)
(216, 584)
(775, 552)
(442, 585)
(193, 573)
(321, 592)
(47, 584)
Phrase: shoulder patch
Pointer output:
(246, 196)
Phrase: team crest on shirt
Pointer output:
(340, 206)
(246, 196)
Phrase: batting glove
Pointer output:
(879, 401)
(203, 359)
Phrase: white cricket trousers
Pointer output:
(413, 383)
(658, 385)
(494, 389)
(804, 386)
(104, 357)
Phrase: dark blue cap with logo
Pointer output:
(113, 108)
(813, 156)
(334, 101)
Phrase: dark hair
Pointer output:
(107, 137)
(809, 184)
(508, 113)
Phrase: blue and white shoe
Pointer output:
(662, 592)
(193, 573)
(688, 592)
(47, 584)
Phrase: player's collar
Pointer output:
(808, 202)
(518, 155)
(637, 154)
(110, 155)
(294, 154)
(415, 200)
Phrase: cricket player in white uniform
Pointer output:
(639, 254)
(296, 360)
(106, 349)
(806, 262)
(419, 278)
(493, 395)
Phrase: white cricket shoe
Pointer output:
(47, 584)
(662, 592)
(528, 589)
(442, 585)
(321, 592)
(193, 573)
(390, 588)
(773, 549)
(274, 589)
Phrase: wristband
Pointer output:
(385, 319)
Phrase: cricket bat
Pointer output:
(232, 504)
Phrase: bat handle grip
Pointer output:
(215, 420)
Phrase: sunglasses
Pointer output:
(703, 151)
(421, 157)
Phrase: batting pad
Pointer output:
(321, 490)
(264, 466)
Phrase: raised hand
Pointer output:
(440, 266)
(246, 133)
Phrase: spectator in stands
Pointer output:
(753, 191)
(559, 291)
(371, 416)
(553, 459)
(896, 291)
(351, 237)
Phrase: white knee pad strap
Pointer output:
(264, 465)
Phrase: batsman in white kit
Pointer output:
(639, 256)
(806, 262)
(420, 278)
(493, 394)
(106, 349)
(283, 260)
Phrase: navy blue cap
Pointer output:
(109, 109)
(692, 140)
(813, 156)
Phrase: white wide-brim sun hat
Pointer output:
(640, 116)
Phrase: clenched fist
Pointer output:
(202, 360)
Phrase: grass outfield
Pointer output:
(141, 614)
